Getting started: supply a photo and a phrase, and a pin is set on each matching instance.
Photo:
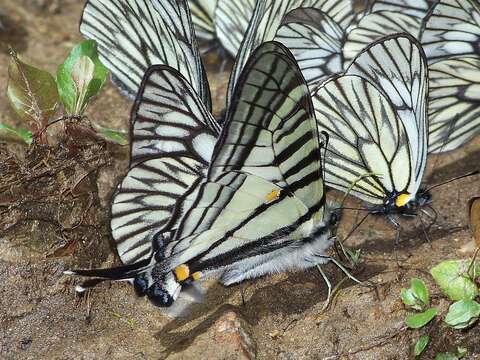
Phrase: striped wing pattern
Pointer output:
(398, 67)
(414, 8)
(374, 26)
(267, 18)
(376, 117)
(173, 137)
(149, 201)
(452, 28)
(170, 120)
(202, 18)
(132, 35)
(271, 131)
(316, 42)
(366, 136)
(385, 18)
(454, 103)
(451, 39)
(264, 183)
(231, 21)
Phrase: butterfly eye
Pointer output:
(140, 286)
(159, 296)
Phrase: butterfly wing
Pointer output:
(375, 115)
(398, 67)
(315, 40)
(414, 8)
(365, 137)
(202, 18)
(266, 20)
(451, 39)
(376, 25)
(267, 133)
(452, 28)
(454, 103)
(231, 21)
(264, 183)
(133, 35)
(173, 137)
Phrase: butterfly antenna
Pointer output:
(472, 173)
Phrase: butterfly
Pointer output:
(385, 17)
(311, 29)
(375, 115)
(132, 35)
(451, 39)
(260, 207)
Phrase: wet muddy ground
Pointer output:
(54, 215)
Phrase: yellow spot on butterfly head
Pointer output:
(272, 195)
(402, 200)
(196, 275)
(182, 272)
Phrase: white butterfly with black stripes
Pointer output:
(133, 35)
(260, 208)
(375, 115)
(451, 39)
(383, 18)
(320, 21)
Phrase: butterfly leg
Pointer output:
(326, 304)
(396, 225)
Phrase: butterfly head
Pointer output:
(405, 203)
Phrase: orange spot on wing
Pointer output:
(272, 195)
(182, 272)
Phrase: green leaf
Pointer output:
(445, 356)
(421, 344)
(32, 92)
(115, 136)
(453, 278)
(419, 290)
(462, 314)
(416, 321)
(22, 134)
(416, 296)
(76, 80)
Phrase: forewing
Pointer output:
(376, 25)
(173, 137)
(315, 41)
(270, 129)
(367, 140)
(454, 103)
(168, 119)
(397, 66)
(231, 22)
(452, 28)
(267, 18)
(133, 35)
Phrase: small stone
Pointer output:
(233, 330)
(274, 334)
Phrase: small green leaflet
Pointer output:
(416, 296)
(21, 134)
(114, 136)
(416, 321)
(420, 345)
(453, 278)
(462, 314)
(80, 77)
(32, 92)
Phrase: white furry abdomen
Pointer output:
(303, 253)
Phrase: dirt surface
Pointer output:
(54, 216)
